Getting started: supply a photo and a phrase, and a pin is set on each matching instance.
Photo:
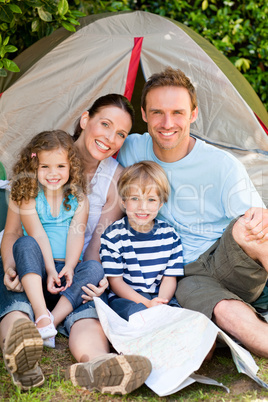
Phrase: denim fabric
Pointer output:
(18, 301)
(29, 259)
(125, 308)
(12, 301)
(84, 311)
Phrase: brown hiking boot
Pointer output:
(111, 373)
(22, 349)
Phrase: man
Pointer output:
(226, 260)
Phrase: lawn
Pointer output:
(56, 388)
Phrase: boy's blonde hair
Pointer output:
(146, 175)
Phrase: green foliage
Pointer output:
(236, 28)
(23, 22)
(98, 6)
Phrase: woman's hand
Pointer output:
(94, 291)
(11, 280)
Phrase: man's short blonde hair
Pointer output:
(145, 175)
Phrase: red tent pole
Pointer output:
(133, 68)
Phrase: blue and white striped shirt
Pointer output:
(141, 258)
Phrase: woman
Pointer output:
(99, 134)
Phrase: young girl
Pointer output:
(141, 255)
(49, 187)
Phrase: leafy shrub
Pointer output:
(23, 22)
(236, 28)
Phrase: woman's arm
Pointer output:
(75, 241)
(112, 211)
(12, 232)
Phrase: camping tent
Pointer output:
(62, 74)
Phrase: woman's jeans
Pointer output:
(125, 308)
(29, 259)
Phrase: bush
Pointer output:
(238, 28)
(24, 22)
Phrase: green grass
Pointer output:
(221, 368)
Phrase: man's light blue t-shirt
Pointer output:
(209, 187)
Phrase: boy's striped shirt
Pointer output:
(141, 258)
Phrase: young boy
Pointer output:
(141, 255)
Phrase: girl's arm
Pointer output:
(168, 287)
(12, 232)
(34, 228)
(75, 241)
(122, 289)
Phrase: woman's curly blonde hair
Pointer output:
(24, 183)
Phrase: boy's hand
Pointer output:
(157, 301)
(94, 291)
(69, 274)
(11, 280)
(53, 280)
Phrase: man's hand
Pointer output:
(11, 280)
(94, 291)
(256, 224)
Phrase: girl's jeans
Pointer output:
(29, 259)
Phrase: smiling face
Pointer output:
(142, 207)
(168, 115)
(104, 133)
(53, 169)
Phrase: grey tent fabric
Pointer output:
(63, 74)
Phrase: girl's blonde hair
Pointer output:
(25, 185)
(146, 175)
